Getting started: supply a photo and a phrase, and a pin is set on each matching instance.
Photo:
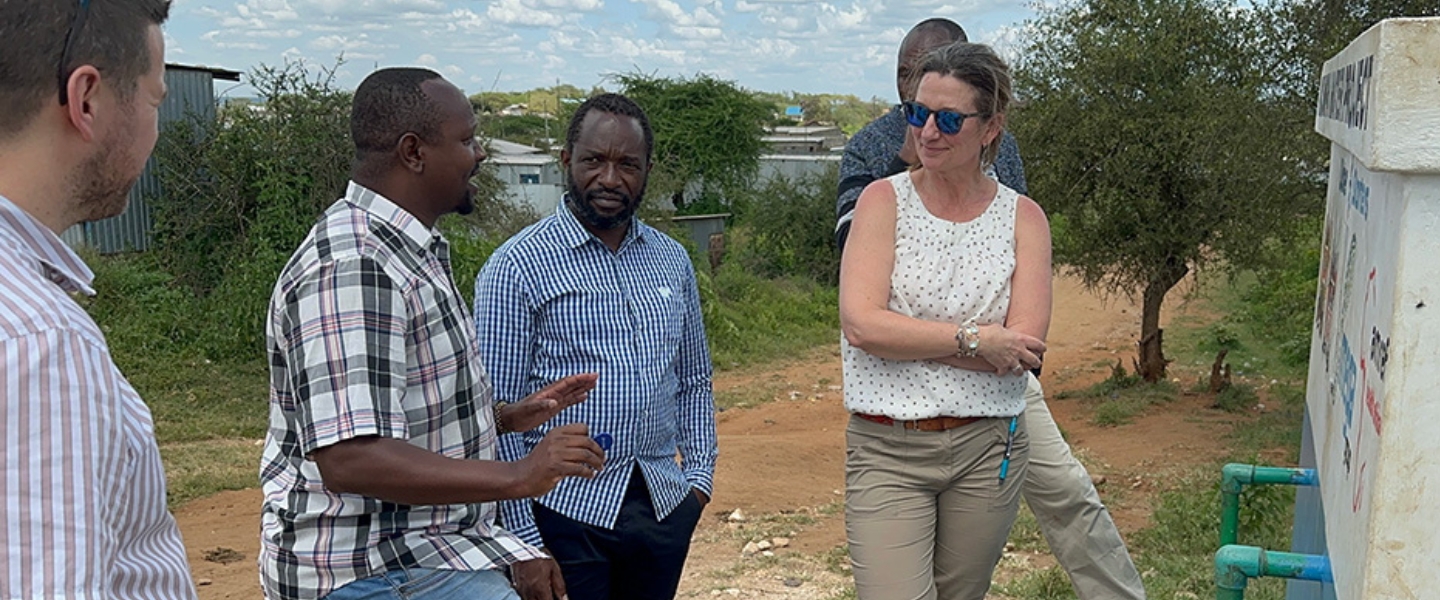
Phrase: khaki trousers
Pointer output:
(1075, 523)
(926, 513)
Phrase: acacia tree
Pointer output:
(707, 133)
(1154, 137)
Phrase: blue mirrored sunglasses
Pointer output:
(947, 121)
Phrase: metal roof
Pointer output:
(506, 147)
(215, 72)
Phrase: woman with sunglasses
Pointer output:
(944, 302)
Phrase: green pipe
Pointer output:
(1236, 565)
(1233, 479)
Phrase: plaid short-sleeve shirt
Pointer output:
(367, 336)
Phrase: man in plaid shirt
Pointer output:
(379, 468)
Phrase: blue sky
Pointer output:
(511, 45)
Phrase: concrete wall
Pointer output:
(1374, 367)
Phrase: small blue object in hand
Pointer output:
(606, 441)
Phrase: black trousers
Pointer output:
(640, 559)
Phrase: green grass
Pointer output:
(1025, 533)
(752, 320)
(1237, 397)
(197, 400)
(199, 469)
(1120, 398)
(1044, 584)
(1193, 341)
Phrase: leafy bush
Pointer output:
(140, 310)
(1236, 397)
(752, 319)
(241, 192)
(1281, 306)
(787, 229)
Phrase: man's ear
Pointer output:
(82, 90)
(411, 152)
(565, 159)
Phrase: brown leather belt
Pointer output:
(931, 424)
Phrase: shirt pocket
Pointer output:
(582, 323)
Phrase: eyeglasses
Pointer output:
(948, 121)
(70, 36)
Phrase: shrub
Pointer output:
(241, 193)
(788, 229)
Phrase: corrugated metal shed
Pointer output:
(191, 91)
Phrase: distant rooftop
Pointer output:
(788, 130)
(217, 73)
(509, 148)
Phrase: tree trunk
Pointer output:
(1152, 362)
(1219, 373)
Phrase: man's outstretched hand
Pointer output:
(541, 406)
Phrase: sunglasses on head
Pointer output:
(947, 121)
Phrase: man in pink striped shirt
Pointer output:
(83, 512)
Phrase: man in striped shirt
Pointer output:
(379, 468)
(591, 288)
(83, 512)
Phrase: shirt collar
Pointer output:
(58, 262)
(382, 208)
(575, 234)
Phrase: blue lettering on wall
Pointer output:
(1353, 189)
(1360, 196)
(1347, 375)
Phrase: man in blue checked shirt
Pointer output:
(592, 289)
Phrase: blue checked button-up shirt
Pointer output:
(554, 301)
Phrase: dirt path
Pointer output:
(781, 466)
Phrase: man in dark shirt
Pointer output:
(1057, 488)
(884, 148)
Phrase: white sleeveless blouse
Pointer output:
(948, 272)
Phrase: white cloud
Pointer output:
(273, 10)
(348, 44)
(363, 8)
(845, 46)
(172, 47)
(540, 13)
(571, 5)
(516, 12)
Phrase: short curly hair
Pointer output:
(390, 103)
(614, 104)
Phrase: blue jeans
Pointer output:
(428, 584)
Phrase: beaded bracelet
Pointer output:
(501, 427)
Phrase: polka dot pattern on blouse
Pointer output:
(949, 272)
